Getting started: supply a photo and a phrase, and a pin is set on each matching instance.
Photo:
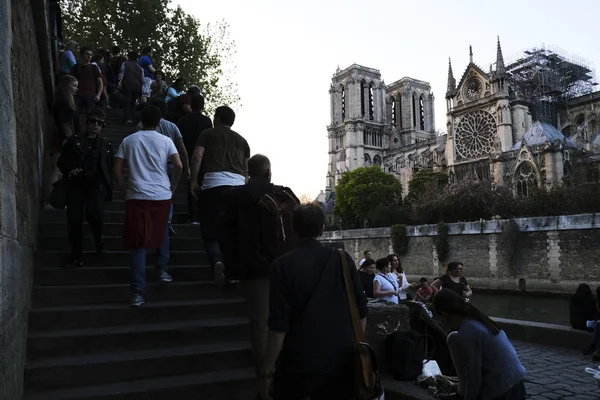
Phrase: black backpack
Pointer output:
(276, 234)
(405, 353)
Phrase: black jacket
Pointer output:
(239, 231)
(73, 156)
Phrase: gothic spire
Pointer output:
(500, 68)
(471, 53)
(451, 80)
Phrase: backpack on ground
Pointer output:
(405, 353)
(277, 235)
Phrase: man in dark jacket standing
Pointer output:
(131, 80)
(310, 331)
(240, 246)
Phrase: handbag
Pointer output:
(58, 196)
(367, 383)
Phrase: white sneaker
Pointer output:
(219, 272)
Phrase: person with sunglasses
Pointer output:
(86, 165)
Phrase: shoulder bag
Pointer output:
(367, 383)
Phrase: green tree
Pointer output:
(182, 45)
(363, 190)
(424, 178)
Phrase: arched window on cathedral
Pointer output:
(399, 112)
(393, 110)
(421, 113)
(377, 160)
(414, 110)
(526, 179)
(368, 162)
(371, 102)
(343, 104)
(363, 93)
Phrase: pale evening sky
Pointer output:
(288, 51)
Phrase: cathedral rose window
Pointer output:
(474, 136)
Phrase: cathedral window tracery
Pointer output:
(393, 103)
(363, 90)
(526, 179)
(377, 160)
(343, 104)
(371, 102)
(421, 113)
(475, 136)
(414, 110)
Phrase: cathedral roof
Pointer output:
(542, 133)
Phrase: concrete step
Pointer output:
(114, 243)
(59, 228)
(178, 198)
(109, 216)
(115, 339)
(116, 258)
(181, 207)
(86, 370)
(60, 295)
(232, 384)
(51, 276)
(104, 315)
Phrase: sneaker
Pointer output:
(137, 300)
(219, 272)
(74, 264)
(164, 276)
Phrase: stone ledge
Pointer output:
(533, 224)
(383, 319)
(547, 334)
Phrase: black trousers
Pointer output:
(83, 101)
(88, 200)
(129, 98)
(517, 392)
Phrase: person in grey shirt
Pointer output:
(171, 130)
(486, 362)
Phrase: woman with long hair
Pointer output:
(398, 272)
(63, 111)
(582, 307)
(486, 362)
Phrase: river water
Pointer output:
(548, 309)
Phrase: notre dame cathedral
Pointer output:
(534, 121)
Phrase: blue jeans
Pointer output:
(137, 265)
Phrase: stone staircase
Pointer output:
(189, 341)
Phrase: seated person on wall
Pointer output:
(425, 292)
(582, 307)
(385, 285)
(454, 280)
(486, 362)
(366, 272)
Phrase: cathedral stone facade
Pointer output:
(534, 122)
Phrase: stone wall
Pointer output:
(23, 121)
(551, 254)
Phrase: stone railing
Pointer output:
(548, 254)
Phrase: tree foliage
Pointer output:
(425, 178)
(363, 190)
(182, 45)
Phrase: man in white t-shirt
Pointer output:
(171, 130)
(148, 198)
(367, 254)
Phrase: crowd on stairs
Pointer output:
(300, 295)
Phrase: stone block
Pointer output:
(384, 318)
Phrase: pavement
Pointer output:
(552, 373)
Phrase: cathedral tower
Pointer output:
(358, 116)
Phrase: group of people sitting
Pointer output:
(386, 280)
(584, 314)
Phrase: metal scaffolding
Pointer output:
(546, 78)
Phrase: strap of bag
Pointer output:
(359, 335)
